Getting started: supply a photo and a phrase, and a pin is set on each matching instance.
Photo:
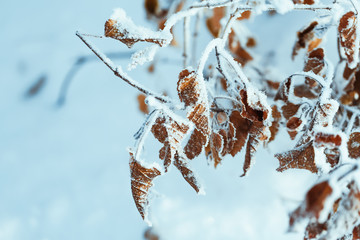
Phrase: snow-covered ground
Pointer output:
(64, 171)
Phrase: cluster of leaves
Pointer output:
(234, 102)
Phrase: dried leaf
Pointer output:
(306, 2)
(241, 55)
(142, 105)
(242, 127)
(244, 15)
(347, 35)
(193, 96)
(316, 197)
(301, 158)
(312, 207)
(315, 61)
(293, 126)
(216, 145)
(354, 145)
(327, 140)
(304, 37)
(188, 174)
(170, 133)
(141, 182)
(258, 133)
(152, 7)
(119, 31)
(255, 112)
(213, 23)
(275, 123)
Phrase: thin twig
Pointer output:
(117, 71)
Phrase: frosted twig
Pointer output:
(117, 71)
(350, 124)
(227, 98)
(144, 131)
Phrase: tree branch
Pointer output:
(117, 71)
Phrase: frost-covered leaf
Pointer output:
(242, 127)
(187, 173)
(143, 56)
(141, 182)
(257, 133)
(170, 133)
(306, 39)
(348, 38)
(301, 158)
(275, 123)
(122, 28)
(327, 139)
(354, 145)
(192, 93)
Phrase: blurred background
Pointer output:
(64, 170)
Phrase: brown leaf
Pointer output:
(347, 34)
(332, 156)
(242, 127)
(301, 158)
(354, 145)
(186, 172)
(241, 55)
(142, 105)
(152, 7)
(190, 93)
(275, 123)
(316, 197)
(112, 30)
(311, 208)
(216, 145)
(315, 61)
(304, 37)
(289, 110)
(170, 133)
(141, 182)
(244, 15)
(306, 2)
(327, 140)
(293, 126)
(256, 112)
(257, 134)
(213, 23)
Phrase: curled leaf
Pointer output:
(354, 145)
(187, 173)
(347, 34)
(304, 37)
(193, 95)
(122, 28)
(141, 182)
